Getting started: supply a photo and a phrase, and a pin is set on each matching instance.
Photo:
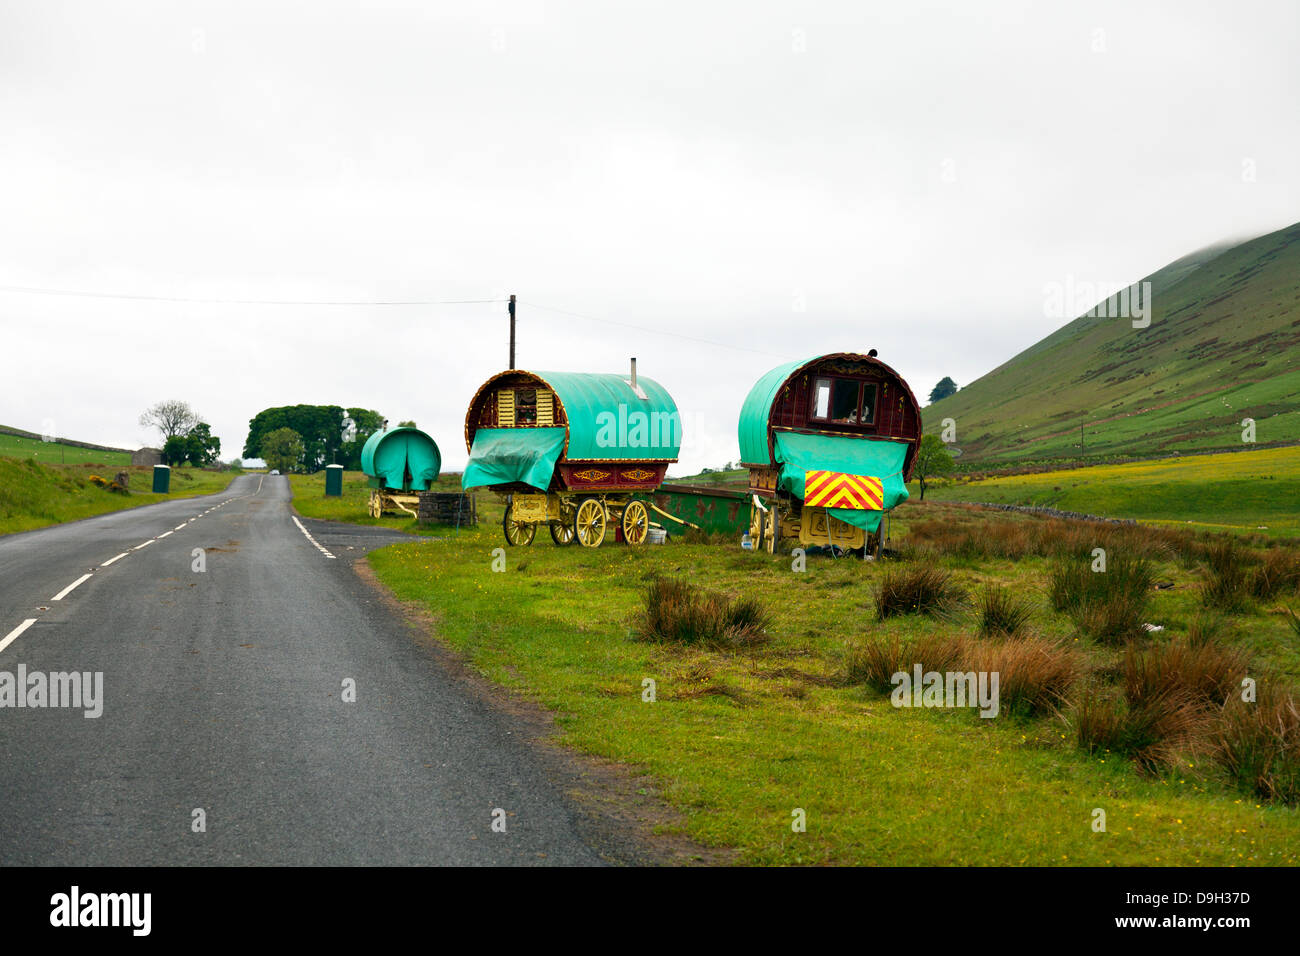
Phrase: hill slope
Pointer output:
(17, 443)
(1223, 345)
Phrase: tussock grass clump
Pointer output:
(1108, 606)
(1228, 586)
(1207, 672)
(1034, 675)
(678, 612)
(874, 663)
(1150, 731)
(1002, 614)
(1258, 743)
(1279, 574)
(918, 590)
(1209, 628)
(1070, 584)
(1097, 720)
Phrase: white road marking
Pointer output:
(13, 635)
(145, 545)
(117, 558)
(163, 535)
(311, 539)
(68, 590)
(180, 526)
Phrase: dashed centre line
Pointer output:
(17, 631)
(14, 634)
(71, 587)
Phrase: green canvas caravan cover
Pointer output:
(401, 459)
(880, 458)
(754, 412)
(609, 421)
(504, 455)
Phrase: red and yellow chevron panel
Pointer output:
(834, 489)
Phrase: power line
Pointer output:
(639, 328)
(28, 290)
(171, 298)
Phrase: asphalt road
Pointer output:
(222, 692)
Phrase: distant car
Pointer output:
(275, 471)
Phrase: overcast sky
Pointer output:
(714, 187)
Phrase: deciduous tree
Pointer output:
(932, 459)
(282, 449)
(172, 418)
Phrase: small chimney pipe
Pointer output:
(633, 374)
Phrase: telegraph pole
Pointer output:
(512, 330)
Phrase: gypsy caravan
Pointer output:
(829, 444)
(400, 463)
(575, 451)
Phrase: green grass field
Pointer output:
(1243, 491)
(57, 453)
(34, 495)
(739, 741)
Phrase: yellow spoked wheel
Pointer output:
(376, 509)
(517, 532)
(636, 523)
(755, 526)
(772, 529)
(562, 532)
(589, 523)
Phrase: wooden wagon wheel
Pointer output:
(589, 523)
(772, 529)
(376, 509)
(636, 523)
(562, 530)
(516, 532)
(755, 524)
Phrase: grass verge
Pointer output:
(34, 496)
(742, 738)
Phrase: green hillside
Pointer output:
(1223, 345)
(56, 452)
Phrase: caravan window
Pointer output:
(526, 406)
(836, 400)
(843, 401)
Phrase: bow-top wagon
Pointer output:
(829, 444)
(575, 451)
(400, 462)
